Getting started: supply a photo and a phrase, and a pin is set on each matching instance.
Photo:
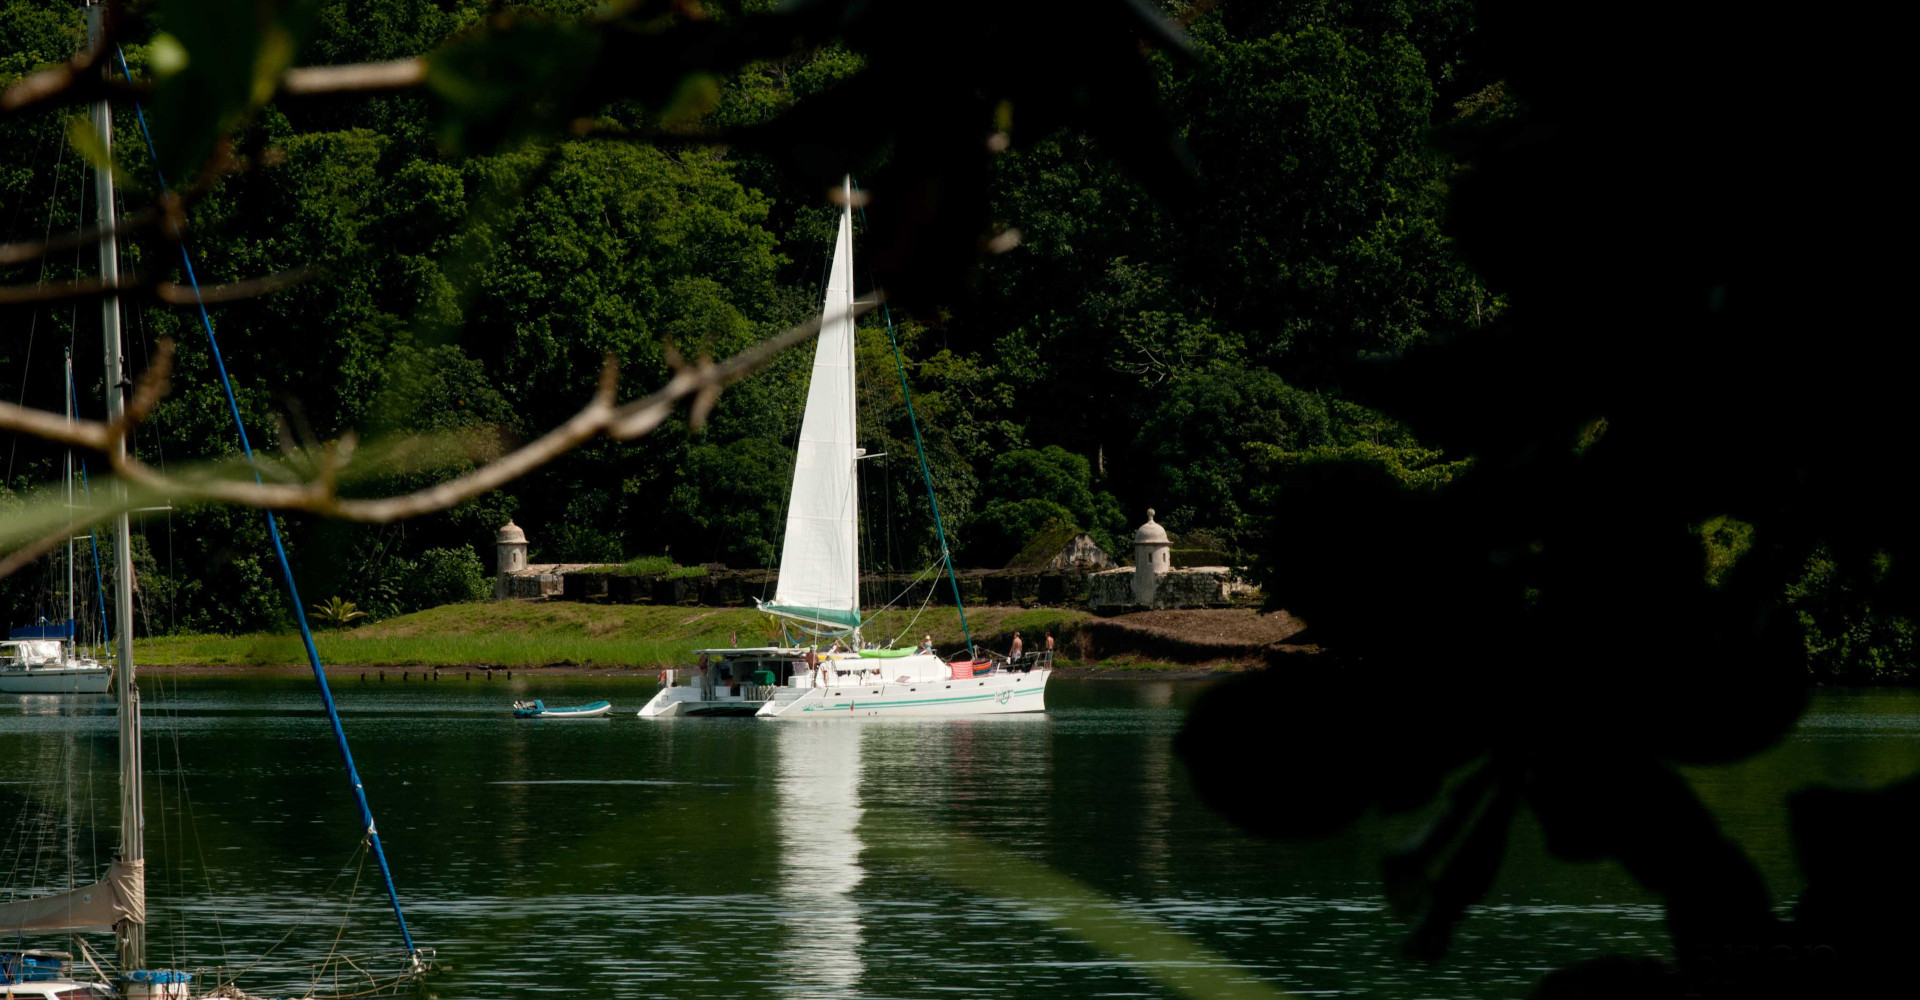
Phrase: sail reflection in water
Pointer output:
(818, 819)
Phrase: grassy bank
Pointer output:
(524, 634)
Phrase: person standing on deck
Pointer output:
(1049, 641)
(1014, 652)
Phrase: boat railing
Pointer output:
(1035, 659)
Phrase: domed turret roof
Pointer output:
(1150, 533)
(511, 533)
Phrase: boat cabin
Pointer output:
(33, 973)
(20, 653)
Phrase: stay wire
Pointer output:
(33, 324)
(921, 448)
(280, 552)
(93, 541)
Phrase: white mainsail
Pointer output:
(820, 558)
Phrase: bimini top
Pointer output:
(43, 630)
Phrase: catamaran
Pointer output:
(817, 599)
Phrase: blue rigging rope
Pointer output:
(279, 550)
(106, 634)
(925, 472)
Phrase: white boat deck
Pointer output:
(777, 683)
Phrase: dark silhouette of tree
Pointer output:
(1689, 210)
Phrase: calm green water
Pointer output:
(1058, 856)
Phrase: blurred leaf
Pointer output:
(226, 58)
(1263, 748)
(1151, 947)
(1465, 876)
(1858, 899)
(521, 76)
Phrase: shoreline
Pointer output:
(414, 673)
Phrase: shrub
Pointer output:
(451, 576)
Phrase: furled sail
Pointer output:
(820, 559)
(95, 908)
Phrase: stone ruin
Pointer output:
(1152, 583)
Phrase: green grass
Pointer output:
(529, 633)
(648, 566)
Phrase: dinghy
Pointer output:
(538, 709)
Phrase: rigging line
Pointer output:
(13, 222)
(87, 487)
(143, 597)
(184, 821)
(160, 450)
(932, 567)
(921, 448)
(346, 913)
(34, 323)
(895, 641)
(286, 568)
(354, 860)
(193, 825)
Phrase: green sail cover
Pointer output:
(827, 616)
(885, 654)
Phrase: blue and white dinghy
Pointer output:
(537, 709)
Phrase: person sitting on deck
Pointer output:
(926, 644)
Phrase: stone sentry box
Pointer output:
(1152, 583)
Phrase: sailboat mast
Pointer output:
(131, 935)
(853, 382)
(73, 639)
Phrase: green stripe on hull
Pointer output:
(850, 705)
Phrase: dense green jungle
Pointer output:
(1127, 351)
(1121, 356)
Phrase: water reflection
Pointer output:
(737, 860)
(818, 820)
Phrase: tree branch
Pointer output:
(700, 382)
(396, 74)
(168, 292)
(47, 543)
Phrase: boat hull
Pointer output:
(56, 680)
(995, 694)
(539, 710)
(689, 700)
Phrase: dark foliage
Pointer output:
(1692, 336)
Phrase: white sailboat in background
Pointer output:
(45, 658)
(819, 586)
